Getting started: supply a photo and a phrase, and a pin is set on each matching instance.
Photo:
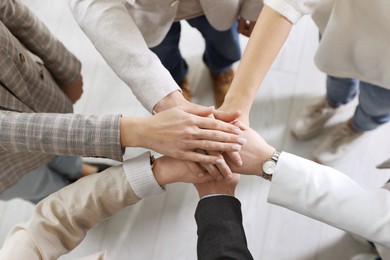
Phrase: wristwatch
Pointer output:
(269, 166)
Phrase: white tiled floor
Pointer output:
(163, 227)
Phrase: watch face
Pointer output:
(269, 167)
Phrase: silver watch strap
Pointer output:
(275, 156)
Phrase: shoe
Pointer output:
(366, 256)
(185, 89)
(221, 84)
(337, 143)
(313, 120)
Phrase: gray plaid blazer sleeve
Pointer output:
(35, 36)
(61, 134)
(35, 122)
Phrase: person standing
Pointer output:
(136, 26)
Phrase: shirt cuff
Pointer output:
(215, 195)
(282, 7)
(140, 176)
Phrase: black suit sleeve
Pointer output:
(220, 231)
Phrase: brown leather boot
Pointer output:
(221, 84)
(185, 89)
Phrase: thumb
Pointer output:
(227, 116)
(198, 110)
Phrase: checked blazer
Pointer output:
(35, 115)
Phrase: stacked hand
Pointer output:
(184, 130)
(73, 90)
(195, 133)
(177, 132)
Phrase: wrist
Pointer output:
(130, 131)
(171, 100)
(236, 103)
(210, 193)
(159, 168)
(269, 166)
(262, 154)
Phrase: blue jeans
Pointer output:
(373, 109)
(49, 178)
(222, 48)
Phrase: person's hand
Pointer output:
(168, 170)
(245, 27)
(74, 90)
(224, 186)
(253, 154)
(177, 132)
(242, 121)
(221, 169)
(172, 100)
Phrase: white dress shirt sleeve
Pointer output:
(140, 176)
(330, 196)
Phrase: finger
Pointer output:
(208, 123)
(210, 168)
(195, 169)
(226, 116)
(235, 157)
(213, 146)
(204, 179)
(213, 171)
(223, 168)
(198, 110)
(218, 136)
(200, 158)
(240, 125)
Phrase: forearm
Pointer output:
(125, 49)
(30, 31)
(268, 37)
(61, 134)
(329, 196)
(220, 231)
(63, 218)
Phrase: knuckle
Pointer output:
(188, 133)
(208, 145)
(213, 135)
(191, 120)
(215, 124)
(180, 155)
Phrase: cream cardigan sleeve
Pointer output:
(293, 10)
(61, 221)
(330, 196)
(111, 29)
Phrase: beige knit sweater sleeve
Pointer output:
(61, 221)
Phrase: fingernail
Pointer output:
(212, 107)
(236, 147)
(241, 140)
(221, 161)
(237, 131)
